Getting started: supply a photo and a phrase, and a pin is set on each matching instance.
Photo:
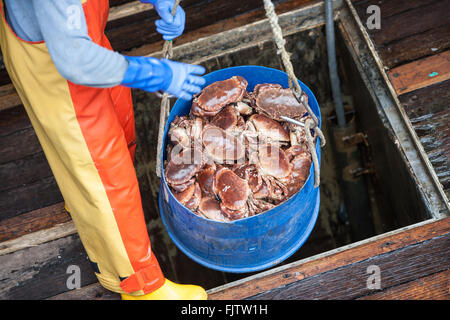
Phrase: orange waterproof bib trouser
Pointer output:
(88, 137)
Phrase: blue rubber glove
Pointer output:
(169, 26)
(150, 74)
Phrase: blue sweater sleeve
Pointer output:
(77, 58)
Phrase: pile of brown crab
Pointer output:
(232, 156)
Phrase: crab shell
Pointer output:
(221, 145)
(219, 94)
(249, 172)
(257, 206)
(234, 214)
(231, 190)
(274, 101)
(205, 179)
(301, 165)
(194, 201)
(227, 118)
(182, 186)
(210, 208)
(183, 166)
(189, 197)
(269, 128)
(273, 161)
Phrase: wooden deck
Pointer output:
(413, 45)
(413, 262)
(38, 240)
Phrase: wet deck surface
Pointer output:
(416, 56)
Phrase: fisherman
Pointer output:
(76, 91)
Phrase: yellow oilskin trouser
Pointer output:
(89, 140)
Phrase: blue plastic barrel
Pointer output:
(250, 244)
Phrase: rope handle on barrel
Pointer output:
(165, 102)
(313, 122)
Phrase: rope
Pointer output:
(165, 102)
(312, 123)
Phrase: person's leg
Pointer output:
(123, 105)
(88, 152)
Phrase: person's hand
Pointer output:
(186, 80)
(150, 74)
(169, 26)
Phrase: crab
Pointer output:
(229, 119)
(182, 168)
(185, 132)
(258, 187)
(275, 101)
(233, 193)
(210, 208)
(301, 165)
(222, 146)
(217, 95)
(266, 130)
(274, 167)
(190, 197)
(300, 159)
(205, 179)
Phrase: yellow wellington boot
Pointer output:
(172, 291)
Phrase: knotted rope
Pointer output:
(165, 102)
(310, 124)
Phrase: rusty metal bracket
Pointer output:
(355, 139)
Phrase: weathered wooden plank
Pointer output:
(12, 120)
(224, 25)
(252, 35)
(26, 139)
(428, 110)
(41, 271)
(24, 171)
(283, 276)
(432, 287)
(8, 96)
(426, 101)
(37, 238)
(411, 22)
(416, 46)
(33, 221)
(350, 282)
(434, 134)
(134, 35)
(421, 73)
(39, 194)
(335, 259)
(409, 29)
(128, 9)
(390, 8)
(113, 3)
